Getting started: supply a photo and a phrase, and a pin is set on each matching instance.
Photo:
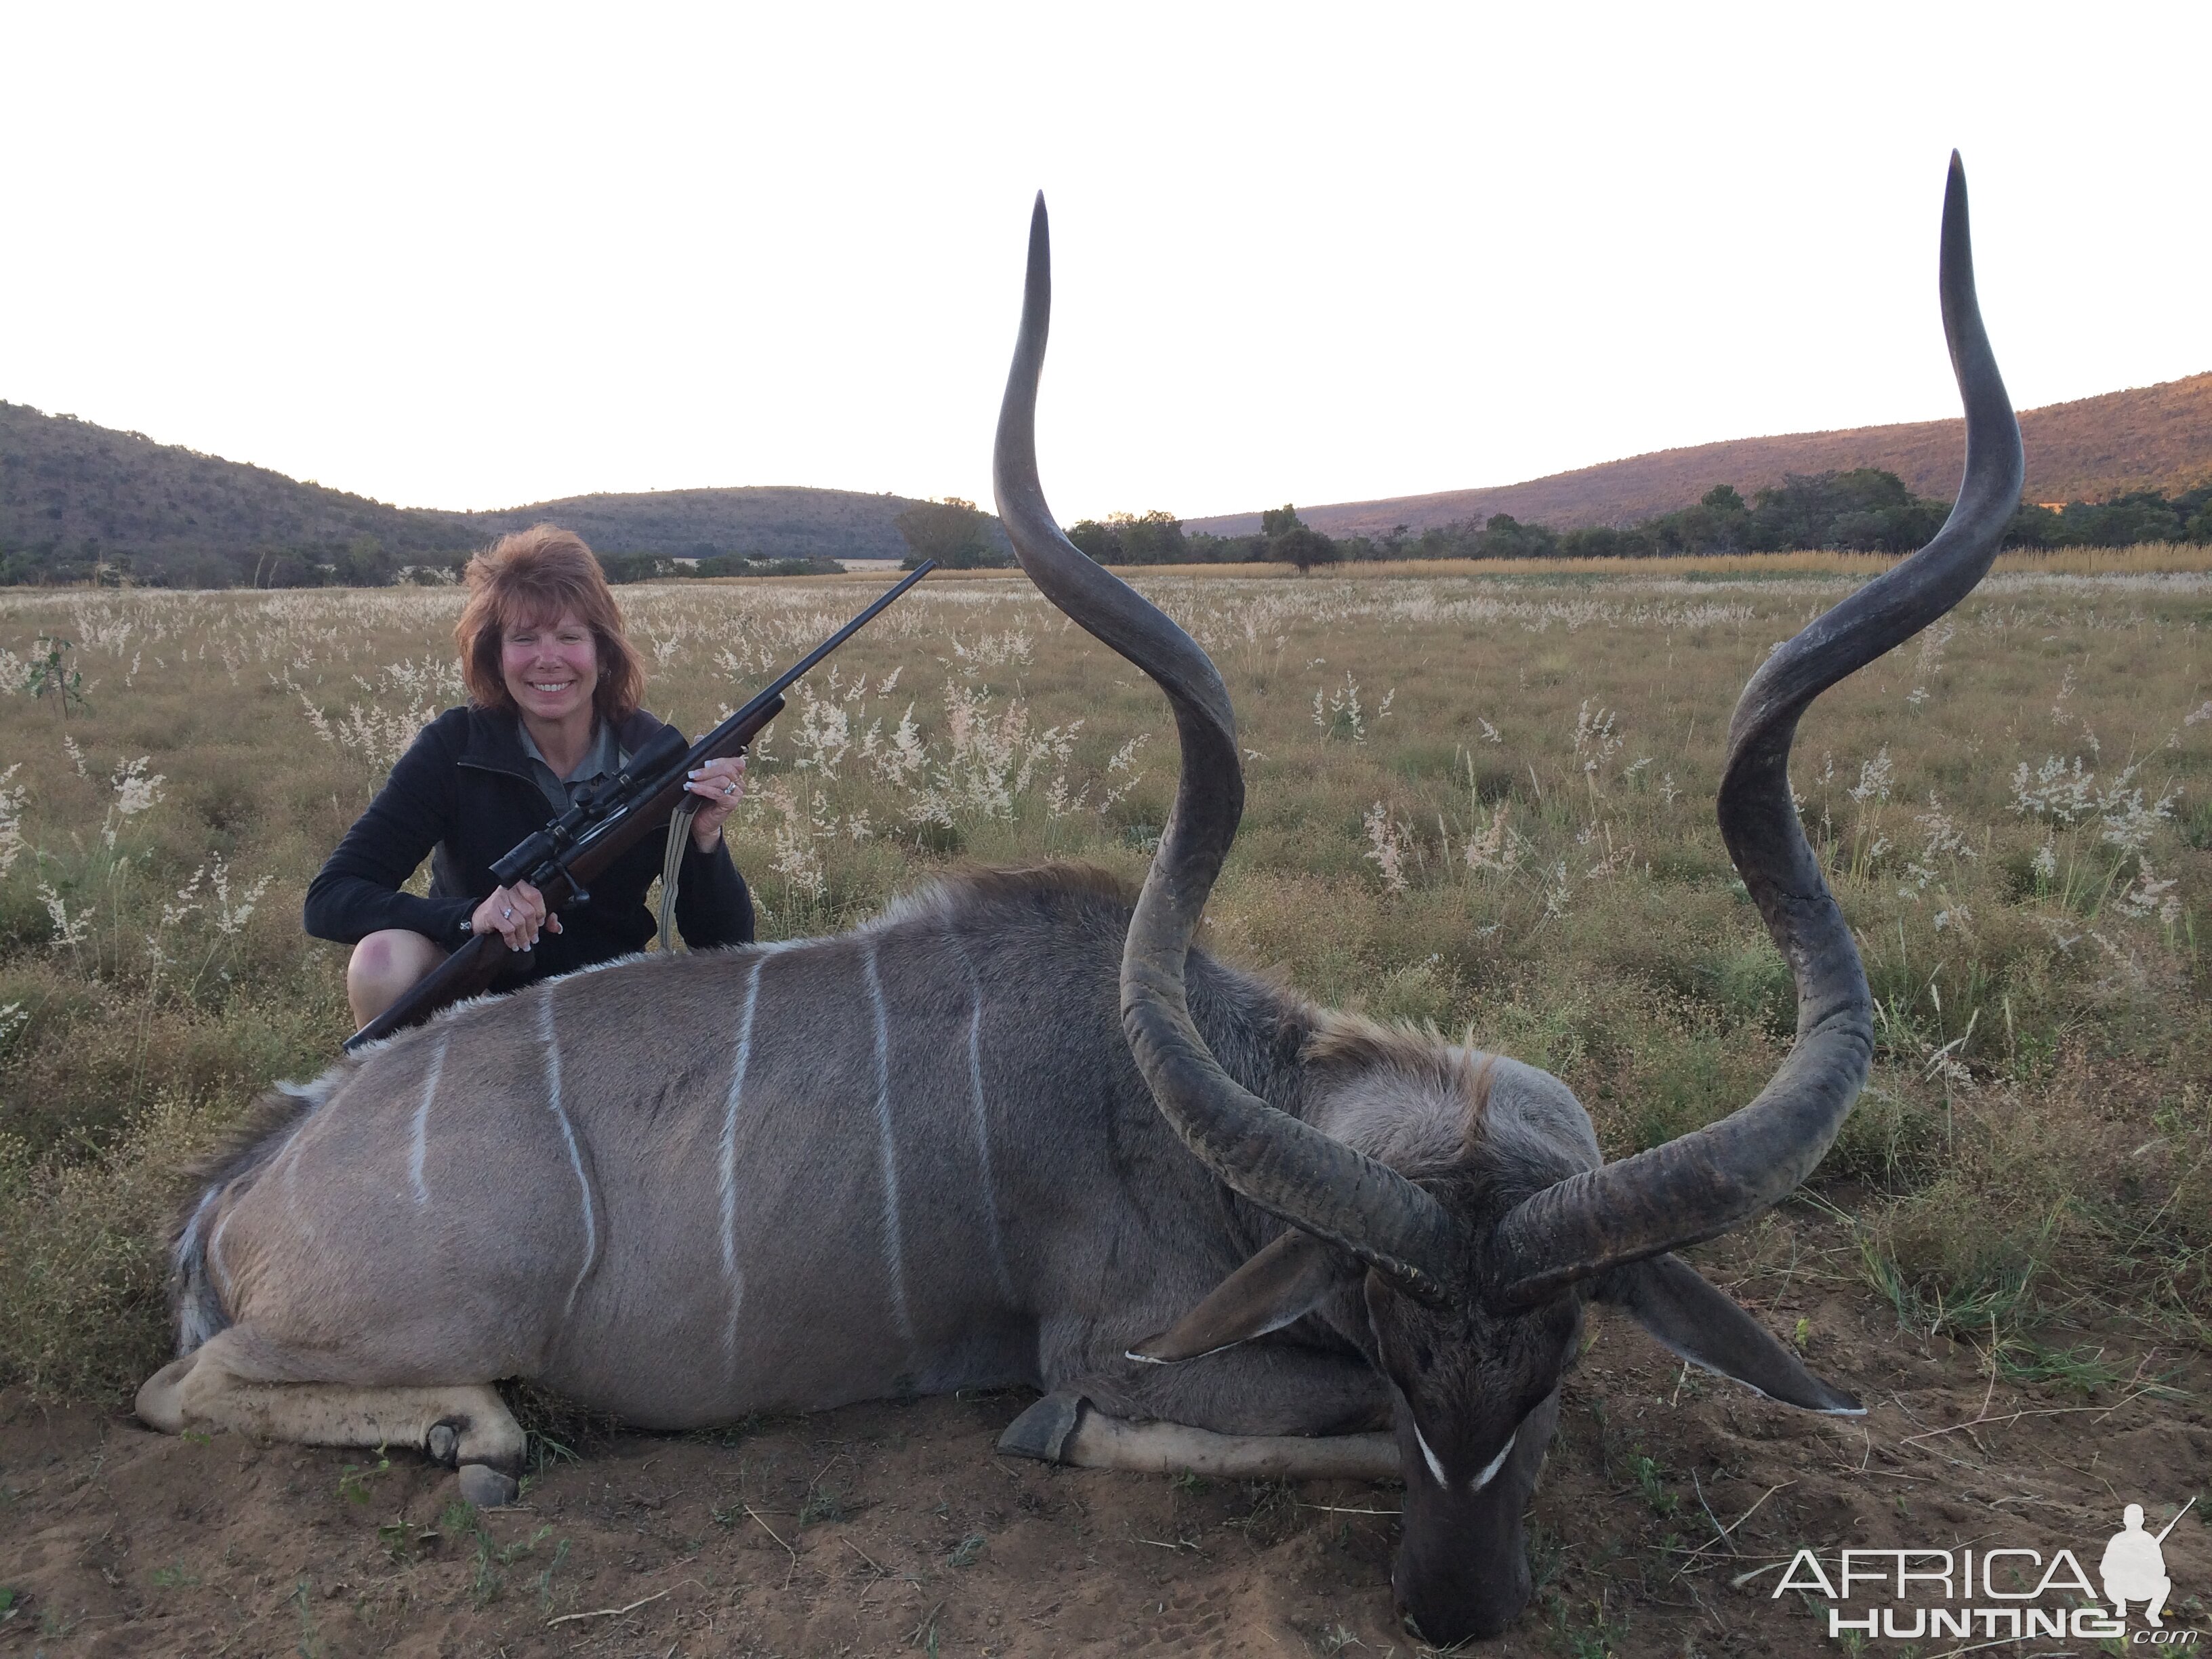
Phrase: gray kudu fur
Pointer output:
(1011, 1129)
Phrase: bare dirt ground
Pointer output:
(894, 1529)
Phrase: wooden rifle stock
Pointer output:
(562, 860)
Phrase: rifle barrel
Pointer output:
(790, 677)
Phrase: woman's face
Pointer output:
(550, 668)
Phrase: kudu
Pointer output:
(1226, 1231)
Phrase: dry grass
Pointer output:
(1474, 799)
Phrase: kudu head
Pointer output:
(1474, 1271)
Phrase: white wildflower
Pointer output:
(1558, 892)
(71, 931)
(230, 920)
(1341, 713)
(1876, 777)
(2058, 791)
(825, 733)
(135, 792)
(1595, 741)
(2129, 824)
(11, 820)
(1497, 847)
(1385, 849)
(905, 758)
(795, 859)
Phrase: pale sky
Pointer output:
(475, 256)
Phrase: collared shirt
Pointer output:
(604, 758)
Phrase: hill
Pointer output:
(2157, 437)
(74, 496)
(769, 521)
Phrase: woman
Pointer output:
(553, 705)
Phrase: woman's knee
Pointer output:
(385, 964)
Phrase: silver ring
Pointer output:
(507, 914)
(729, 788)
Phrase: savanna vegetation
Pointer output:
(1481, 803)
(1862, 511)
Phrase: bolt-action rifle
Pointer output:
(563, 859)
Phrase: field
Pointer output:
(1479, 800)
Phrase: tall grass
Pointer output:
(1476, 801)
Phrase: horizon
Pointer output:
(511, 258)
(1253, 512)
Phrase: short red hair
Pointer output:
(534, 577)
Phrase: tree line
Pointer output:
(363, 562)
(1865, 510)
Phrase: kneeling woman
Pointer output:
(553, 705)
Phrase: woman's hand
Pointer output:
(719, 785)
(515, 914)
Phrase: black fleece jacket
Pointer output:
(463, 793)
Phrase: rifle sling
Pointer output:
(672, 865)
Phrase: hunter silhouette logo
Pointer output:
(2003, 1593)
(2134, 1567)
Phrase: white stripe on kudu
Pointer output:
(735, 1278)
(982, 1119)
(568, 1135)
(419, 1145)
(893, 1248)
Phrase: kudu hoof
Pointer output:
(486, 1488)
(443, 1443)
(1043, 1431)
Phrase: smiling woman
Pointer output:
(553, 688)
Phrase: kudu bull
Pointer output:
(1221, 1227)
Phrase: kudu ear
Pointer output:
(1277, 1287)
(1667, 1297)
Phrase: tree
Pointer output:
(1156, 538)
(1153, 537)
(1865, 510)
(1099, 542)
(1287, 539)
(952, 532)
(1505, 536)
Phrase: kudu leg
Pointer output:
(1065, 1428)
(464, 1425)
